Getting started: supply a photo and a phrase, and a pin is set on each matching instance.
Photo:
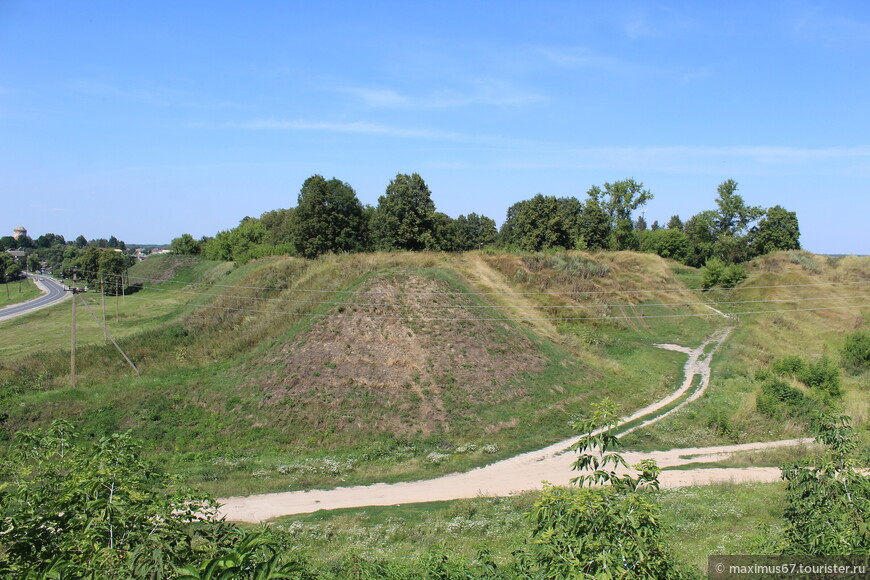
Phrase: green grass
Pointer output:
(15, 292)
(700, 521)
(211, 405)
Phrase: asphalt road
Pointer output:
(53, 292)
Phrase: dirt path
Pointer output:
(528, 470)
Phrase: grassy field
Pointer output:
(288, 374)
(15, 292)
(785, 281)
(700, 521)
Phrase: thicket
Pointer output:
(778, 399)
(856, 351)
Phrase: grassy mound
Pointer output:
(285, 373)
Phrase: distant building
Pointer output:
(19, 232)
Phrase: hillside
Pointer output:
(285, 373)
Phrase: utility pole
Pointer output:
(72, 350)
(103, 301)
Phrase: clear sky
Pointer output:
(145, 120)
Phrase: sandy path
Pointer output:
(528, 470)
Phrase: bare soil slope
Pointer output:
(409, 347)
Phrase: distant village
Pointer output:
(52, 254)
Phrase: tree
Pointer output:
(81, 242)
(733, 216)
(593, 225)
(542, 222)
(10, 270)
(49, 240)
(640, 224)
(328, 218)
(185, 245)
(732, 220)
(33, 263)
(618, 200)
(827, 496)
(232, 244)
(675, 223)
(700, 230)
(88, 265)
(405, 216)
(112, 266)
(602, 532)
(475, 231)
(667, 243)
(777, 230)
(445, 233)
(279, 226)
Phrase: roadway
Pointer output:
(53, 292)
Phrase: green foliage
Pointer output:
(667, 243)
(828, 498)
(792, 365)
(609, 532)
(279, 226)
(675, 223)
(69, 509)
(405, 216)
(777, 230)
(230, 245)
(777, 399)
(10, 269)
(594, 223)
(822, 375)
(542, 222)
(474, 232)
(712, 272)
(716, 273)
(700, 230)
(733, 217)
(328, 218)
(856, 350)
(185, 245)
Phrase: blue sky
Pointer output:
(145, 120)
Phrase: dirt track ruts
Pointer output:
(527, 471)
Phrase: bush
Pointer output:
(823, 375)
(856, 350)
(711, 273)
(733, 275)
(777, 399)
(792, 365)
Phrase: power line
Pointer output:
(131, 279)
(508, 319)
(484, 306)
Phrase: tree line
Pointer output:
(99, 262)
(329, 218)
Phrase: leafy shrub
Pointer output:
(733, 275)
(823, 375)
(716, 273)
(712, 271)
(792, 365)
(856, 350)
(777, 399)
(72, 510)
